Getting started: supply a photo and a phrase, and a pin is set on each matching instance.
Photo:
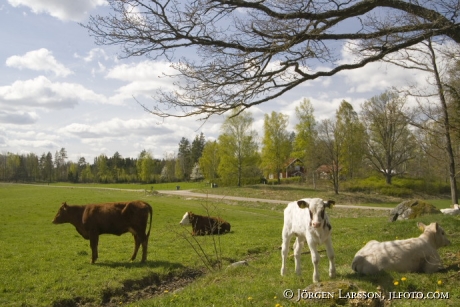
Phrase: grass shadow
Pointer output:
(138, 264)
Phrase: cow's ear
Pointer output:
(302, 204)
(64, 205)
(329, 204)
(421, 226)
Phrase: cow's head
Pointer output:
(62, 216)
(186, 219)
(435, 234)
(317, 208)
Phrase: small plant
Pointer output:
(211, 261)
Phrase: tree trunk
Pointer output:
(388, 178)
(450, 152)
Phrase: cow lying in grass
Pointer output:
(410, 255)
(205, 225)
(452, 211)
(307, 220)
(109, 218)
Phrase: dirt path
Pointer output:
(188, 193)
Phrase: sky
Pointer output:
(58, 89)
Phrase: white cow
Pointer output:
(410, 255)
(452, 211)
(307, 220)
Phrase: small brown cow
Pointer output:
(116, 218)
(205, 225)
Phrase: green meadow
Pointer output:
(43, 264)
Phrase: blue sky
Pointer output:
(58, 89)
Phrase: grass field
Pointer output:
(49, 265)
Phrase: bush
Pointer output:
(400, 187)
(290, 180)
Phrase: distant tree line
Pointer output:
(115, 169)
(388, 136)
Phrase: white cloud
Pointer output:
(39, 60)
(93, 54)
(41, 92)
(101, 69)
(144, 78)
(66, 10)
(116, 127)
(140, 71)
(38, 143)
(377, 76)
(18, 118)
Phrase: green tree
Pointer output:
(73, 172)
(276, 145)
(13, 163)
(305, 137)
(46, 166)
(87, 174)
(32, 167)
(209, 161)
(237, 149)
(145, 167)
(60, 164)
(102, 169)
(178, 169)
(351, 133)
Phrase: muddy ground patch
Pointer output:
(134, 290)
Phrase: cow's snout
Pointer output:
(316, 224)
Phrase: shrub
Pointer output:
(400, 187)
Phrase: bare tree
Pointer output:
(390, 142)
(433, 102)
(241, 53)
(330, 144)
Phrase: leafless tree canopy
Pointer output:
(240, 53)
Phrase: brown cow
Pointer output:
(205, 225)
(109, 218)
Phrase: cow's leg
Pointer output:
(432, 263)
(93, 242)
(145, 244)
(298, 245)
(331, 256)
(284, 252)
(137, 243)
(315, 260)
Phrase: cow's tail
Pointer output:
(151, 215)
